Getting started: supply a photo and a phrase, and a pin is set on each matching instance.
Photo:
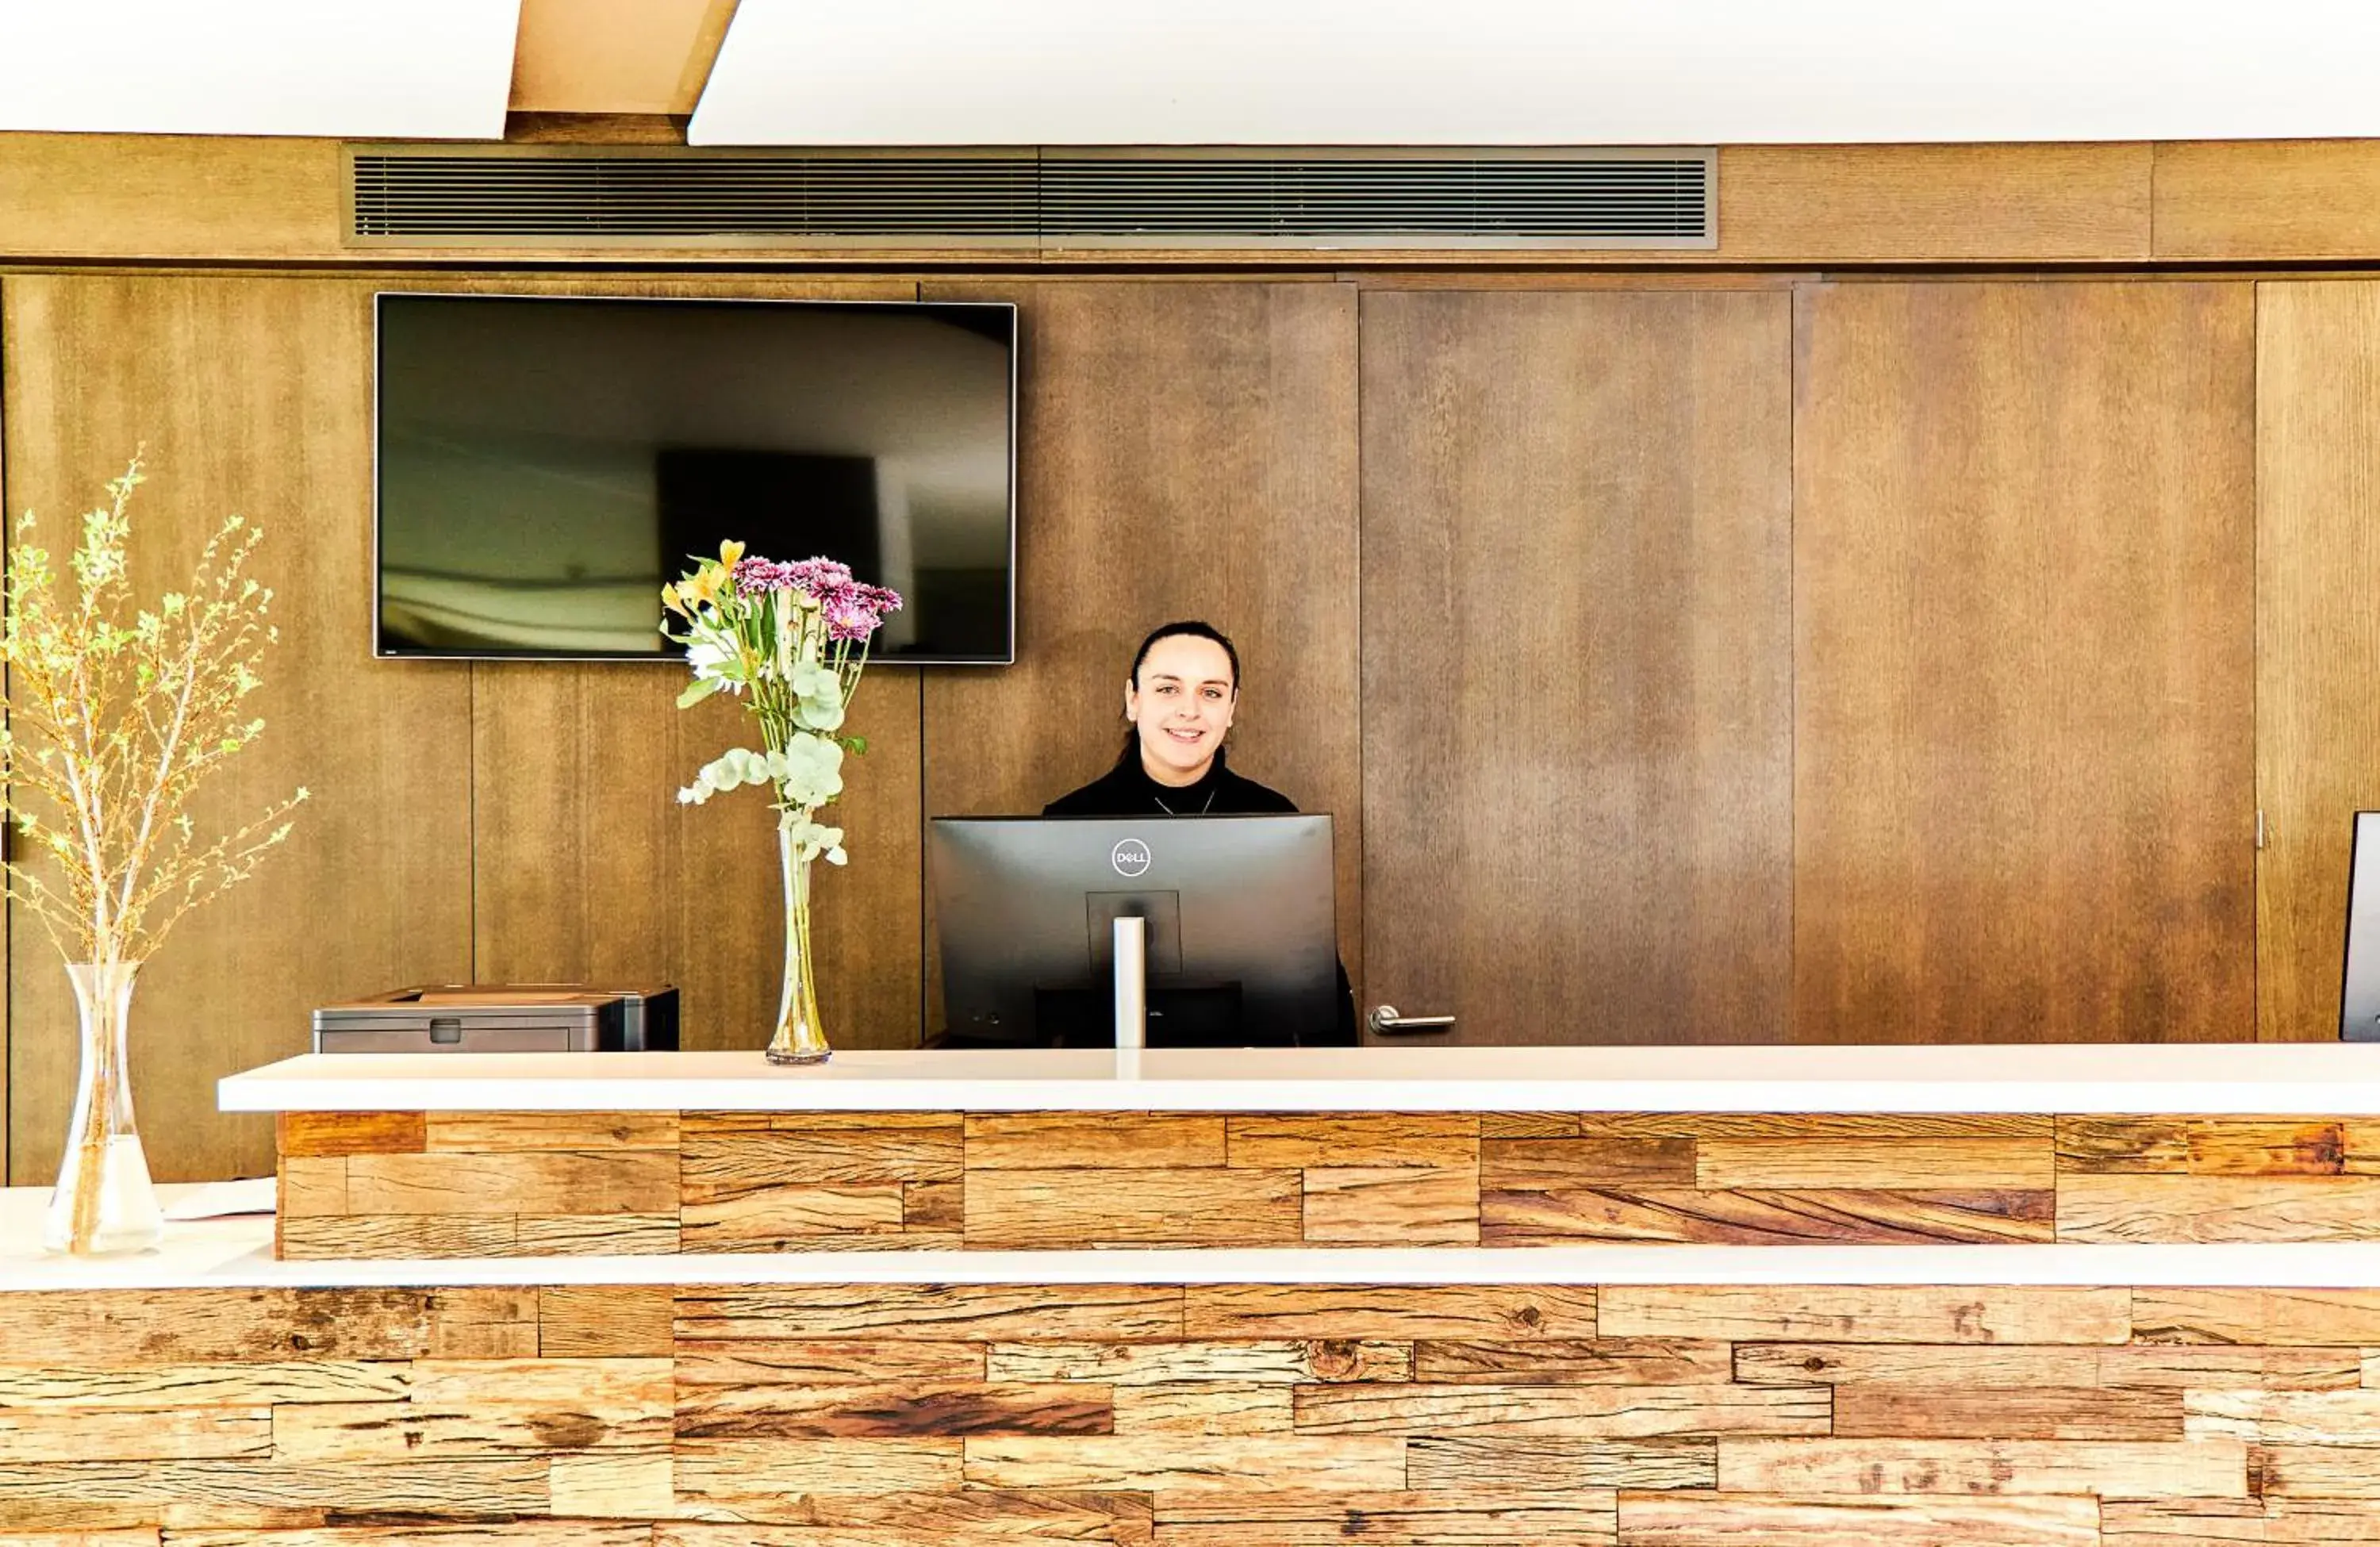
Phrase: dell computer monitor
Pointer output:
(1242, 934)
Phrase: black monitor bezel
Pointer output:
(380, 646)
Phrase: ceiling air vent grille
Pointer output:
(570, 196)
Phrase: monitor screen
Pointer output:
(1242, 949)
(547, 463)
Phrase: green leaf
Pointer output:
(703, 688)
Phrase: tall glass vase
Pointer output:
(799, 1038)
(103, 1203)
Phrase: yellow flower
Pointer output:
(729, 553)
(669, 600)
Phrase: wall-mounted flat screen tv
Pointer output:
(547, 463)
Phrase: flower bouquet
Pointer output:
(791, 639)
(112, 723)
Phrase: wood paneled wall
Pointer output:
(1528, 583)
(2024, 749)
(1577, 663)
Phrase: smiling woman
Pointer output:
(1178, 701)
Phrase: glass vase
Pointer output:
(799, 1038)
(103, 1203)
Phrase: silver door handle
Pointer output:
(1385, 1022)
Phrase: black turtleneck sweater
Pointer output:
(1127, 790)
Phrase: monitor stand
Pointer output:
(1131, 995)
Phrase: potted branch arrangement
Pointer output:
(791, 640)
(113, 723)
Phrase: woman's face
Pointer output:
(1181, 705)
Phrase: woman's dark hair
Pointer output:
(1188, 627)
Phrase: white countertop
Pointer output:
(237, 1253)
(2331, 1078)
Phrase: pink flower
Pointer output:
(753, 576)
(818, 576)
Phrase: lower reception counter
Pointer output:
(1678, 1296)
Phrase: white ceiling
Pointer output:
(430, 69)
(1464, 72)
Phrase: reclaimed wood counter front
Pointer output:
(454, 1156)
(694, 1305)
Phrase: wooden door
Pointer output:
(2024, 581)
(1577, 658)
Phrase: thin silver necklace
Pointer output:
(1200, 811)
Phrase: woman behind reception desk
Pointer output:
(1178, 701)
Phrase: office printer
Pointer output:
(503, 1017)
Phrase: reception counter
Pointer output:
(1630, 1299)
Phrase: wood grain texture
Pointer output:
(1541, 1465)
(1609, 475)
(1971, 1368)
(2289, 1318)
(252, 394)
(1391, 1205)
(321, 1135)
(1574, 1412)
(1050, 1140)
(1209, 431)
(2024, 662)
(1733, 1520)
(1869, 1411)
(1754, 1218)
(2094, 1208)
(2267, 198)
(2207, 1468)
(1417, 1312)
(1935, 202)
(1868, 1314)
(1188, 1207)
(2317, 734)
(1377, 1138)
(1415, 1519)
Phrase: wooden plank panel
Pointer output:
(381, 1431)
(430, 1235)
(1209, 431)
(1755, 1218)
(2317, 645)
(1608, 475)
(1936, 203)
(1471, 1515)
(2121, 1207)
(252, 393)
(1377, 1138)
(1576, 1412)
(1606, 1362)
(486, 1533)
(1391, 1205)
(1126, 1364)
(2145, 1365)
(2119, 1145)
(1869, 1314)
(975, 1516)
(1869, 1411)
(84, 1434)
(2267, 199)
(1352, 1310)
(1526, 1465)
(187, 1386)
(2207, 1468)
(2317, 1471)
(497, 1132)
(2288, 1317)
(1542, 1164)
(2182, 1523)
(1052, 1140)
(932, 1312)
(835, 1362)
(145, 1328)
(2295, 1418)
(2006, 832)
(719, 1163)
(1756, 1520)
(311, 1189)
(323, 1134)
(1165, 1462)
(1972, 1164)
(1189, 1207)
(214, 1489)
(1203, 1407)
(497, 1322)
(788, 1218)
(1814, 1126)
(762, 1480)
(912, 1410)
(596, 1235)
(600, 1320)
(627, 1183)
